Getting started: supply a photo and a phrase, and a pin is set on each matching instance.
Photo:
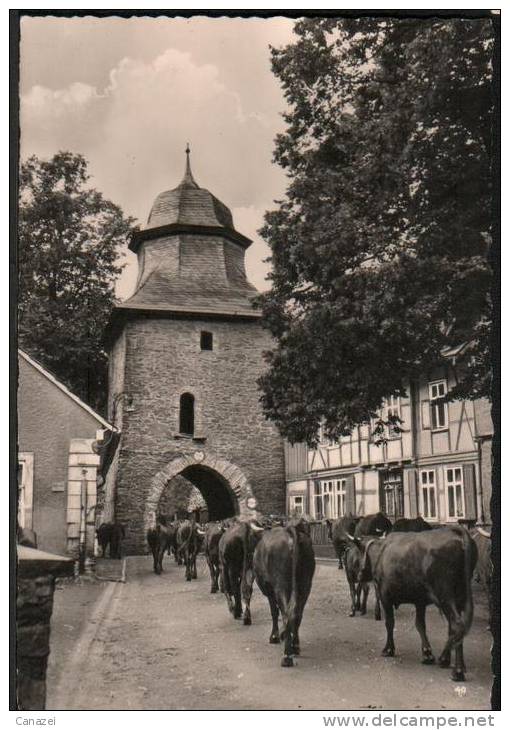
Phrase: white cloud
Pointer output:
(134, 133)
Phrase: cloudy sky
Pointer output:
(129, 93)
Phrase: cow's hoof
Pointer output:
(214, 589)
(296, 650)
(458, 676)
(352, 613)
(377, 616)
(363, 611)
(388, 652)
(444, 662)
(188, 577)
(428, 659)
(274, 639)
(287, 661)
(237, 614)
(247, 620)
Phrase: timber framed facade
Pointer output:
(437, 464)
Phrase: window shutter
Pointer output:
(413, 494)
(350, 496)
(469, 491)
(425, 414)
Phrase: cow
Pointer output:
(424, 568)
(377, 524)
(484, 570)
(358, 588)
(111, 534)
(26, 537)
(236, 547)
(284, 564)
(213, 533)
(189, 540)
(161, 538)
(405, 524)
(337, 533)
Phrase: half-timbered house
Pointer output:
(434, 465)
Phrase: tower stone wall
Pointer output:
(163, 360)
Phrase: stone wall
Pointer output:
(163, 360)
(34, 606)
(36, 572)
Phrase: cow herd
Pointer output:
(278, 557)
(406, 562)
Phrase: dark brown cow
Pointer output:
(161, 539)
(26, 537)
(111, 534)
(338, 532)
(284, 564)
(377, 524)
(213, 533)
(189, 540)
(423, 568)
(484, 569)
(406, 524)
(358, 588)
(236, 548)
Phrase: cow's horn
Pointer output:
(200, 532)
(484, 532)
(350, 537)
(256, 528)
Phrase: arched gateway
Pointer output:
(223, 485)
(186, 354)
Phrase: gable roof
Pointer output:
(65, 390)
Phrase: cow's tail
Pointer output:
(470, 555)
(294, 584)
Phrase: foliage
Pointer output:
(379, 250)
(70, 239)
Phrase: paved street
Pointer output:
(157, 642)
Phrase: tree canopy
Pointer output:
(380, 248)
(70, 240)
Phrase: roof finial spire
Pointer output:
(188, 177)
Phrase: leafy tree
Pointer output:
(70, 239)
(380, 249)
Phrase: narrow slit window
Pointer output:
(187, 414)
(206, 341)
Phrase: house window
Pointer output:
(428, 494)
(296, 506)
(392, 408)
(187, 414)
(25, 489)
(323, 439)
(455, 505)
(330, 498)
(392, 493)
(438, 405)
(206, 341)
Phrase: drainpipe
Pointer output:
(479, 486)
(83, 522)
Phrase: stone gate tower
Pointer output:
(186, 352)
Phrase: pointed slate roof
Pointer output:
(191, 258)
(189, 204)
